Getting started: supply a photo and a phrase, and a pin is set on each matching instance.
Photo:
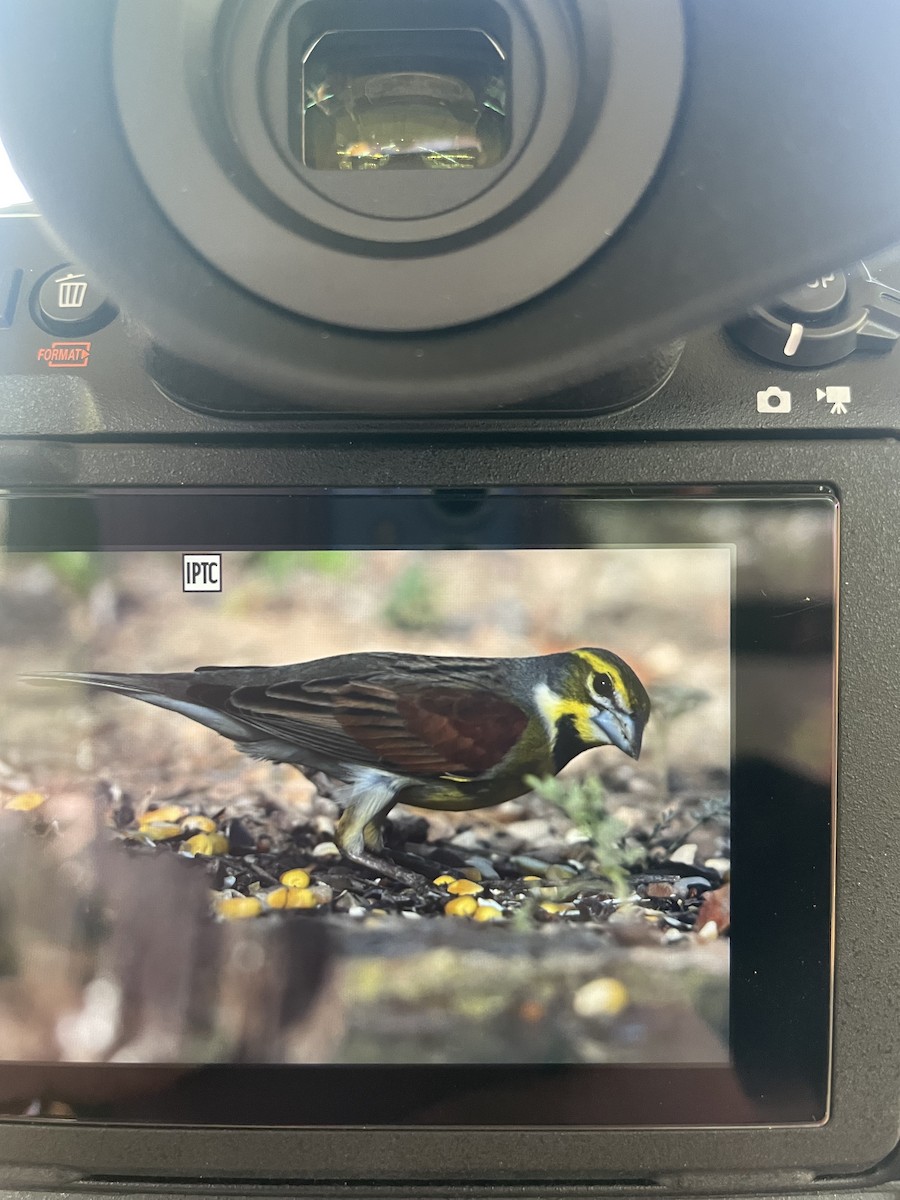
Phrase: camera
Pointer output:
(448, 596)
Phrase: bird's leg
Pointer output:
(358, 835)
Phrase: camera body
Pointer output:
(639, 369)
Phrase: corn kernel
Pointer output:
(605, 997)
(471, 873)
(465, 887)
(161, 831)
(461, 906)
(487, 912)
(166, 815)
(199, 824)
(445, 879)
(551, 907)
(292, 897)
(209, 844)
(25, 802)
(239, 908)
(297, 878)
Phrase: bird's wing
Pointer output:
(421, 729)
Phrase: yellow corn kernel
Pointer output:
(604, 997)
(461, 906)
(25, 802)
(166, 815)
(209, 844)
(293, 897)
(551, 906)
(487, 912)
(445, 879)
(199, 824)
(531, 879)
(161, 831)
(297, 878)
(239, 908)
(465, 887)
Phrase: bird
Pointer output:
(433, 732)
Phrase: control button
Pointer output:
(818, 299)
(824, 321)
(69, 302)
(10, 282)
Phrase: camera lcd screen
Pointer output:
(417, 807)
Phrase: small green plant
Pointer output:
(584, 803)
(277, 566)
(80, 570)
(411, 603)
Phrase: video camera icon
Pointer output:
(773, 400)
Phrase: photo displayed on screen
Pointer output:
(431, 807)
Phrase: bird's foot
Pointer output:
(418, 882)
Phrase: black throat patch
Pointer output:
(568, 744)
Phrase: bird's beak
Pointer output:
(622, 731)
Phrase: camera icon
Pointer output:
(773, 400)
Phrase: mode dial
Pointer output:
(823, 321)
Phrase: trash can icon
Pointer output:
(72, 291)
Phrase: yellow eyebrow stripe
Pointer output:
(605, 668)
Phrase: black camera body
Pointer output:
(243, 297)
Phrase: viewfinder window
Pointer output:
(432, 99)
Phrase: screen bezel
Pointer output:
(783, 1076)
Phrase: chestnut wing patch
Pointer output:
(465, 732)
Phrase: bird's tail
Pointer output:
(176, 692)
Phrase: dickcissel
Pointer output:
(451, 733)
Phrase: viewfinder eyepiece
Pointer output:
(424, 99)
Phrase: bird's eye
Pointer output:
(602, 687)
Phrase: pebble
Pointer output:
(695, 884)
(469, 839)
(326, 850)
(574, 837)
(629, 815)
(708, 933)
(356, 911)
(558, 873)
(639, 786)
(528, 865)
(722, 865)
(533, 831)
(605, 997)
(684, 854)
(484, 865)
(660, 891)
